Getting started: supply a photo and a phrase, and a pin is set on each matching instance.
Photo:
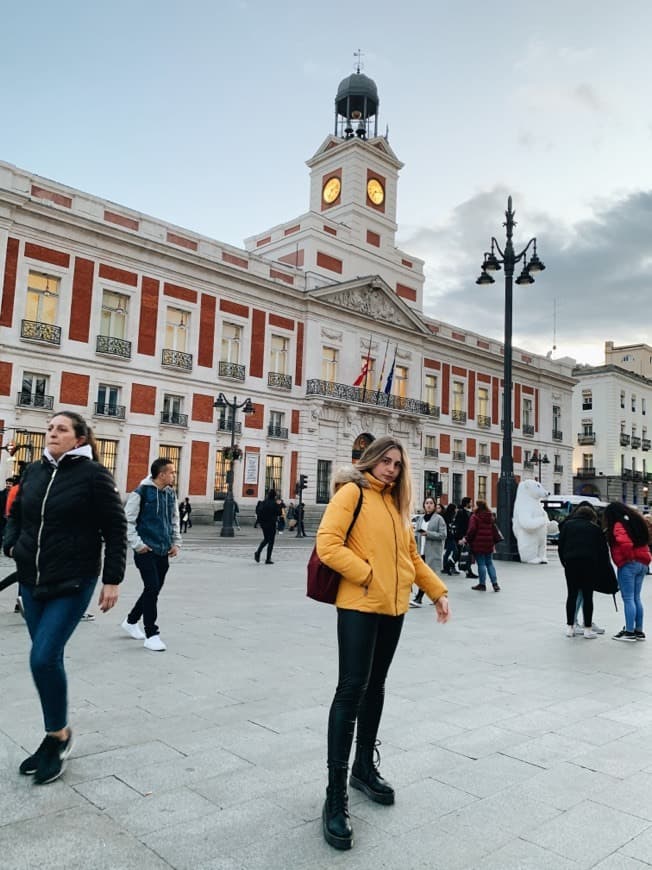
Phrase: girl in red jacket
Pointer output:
(629, 538)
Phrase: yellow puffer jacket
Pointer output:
(379, 562)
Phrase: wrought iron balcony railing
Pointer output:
(233, 371)
(113, 346)
(431, 410)
(348, 394)
(226, 426)
(586, 471)
(34, 330)
(432, 452)
(645, 444)
(557, 435)
(176, 359)
(459, 456)
(586, 437)
(558, 469)
(636, 442)
(277, 432)
(279, 381)
(29, 400)
(173, 419)
(484, 458)
(527, 429)
(106, 409)
(624, 439)
(458, 416)
(528, 463)
(484, 422)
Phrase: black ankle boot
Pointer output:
(335, 815)
(365, 775)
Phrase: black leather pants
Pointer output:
(367, 642)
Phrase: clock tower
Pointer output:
(350, 228)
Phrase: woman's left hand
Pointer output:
(443, 611)
(108, 597)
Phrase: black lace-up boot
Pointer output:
(366, 777)
(335, 815)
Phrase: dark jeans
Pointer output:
(366, 642)
(153, 569)
(50, 625)
(579, 575)
(269, 533)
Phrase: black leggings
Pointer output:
(578, 578)
(269, 533)
(366, 642)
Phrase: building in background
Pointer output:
(610, 409)
(139, 325)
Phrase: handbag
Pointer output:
(464, 560)
(323, 582)
(60, 589)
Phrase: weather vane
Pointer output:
(358, 56)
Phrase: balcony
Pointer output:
(557, 435)
(586, 437)
(347, 394)
(586, 471)
(113, 346)
(484, 458)
(431, 410)
(171, 418)
(106, 409)
(225, 426)
(636, 442)
(458, 416)
(502, 425)
(558, 469)
(432, 452)
(28, 400)
(277, 432)
(483, 422)
(459, 456)
(527, 429)
(176, 359)
(279, 381)
(624, 439)
(34, 330)
(527, 463)
(233, 371)
(645, 444)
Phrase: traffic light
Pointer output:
(303, 481)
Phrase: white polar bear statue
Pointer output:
(530, 522)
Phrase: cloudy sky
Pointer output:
(203, 113)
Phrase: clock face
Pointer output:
(375, 191)
(331, 190)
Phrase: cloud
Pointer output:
(597, 279)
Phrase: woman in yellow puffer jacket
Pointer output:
(378, 564)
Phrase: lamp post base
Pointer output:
(227, 516)
(507, 549)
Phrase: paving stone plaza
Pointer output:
(509, 745)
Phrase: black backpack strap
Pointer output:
(356, 512)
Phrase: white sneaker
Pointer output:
(570, 631)
(133, 630)
(579, 629)
(155, 643)
(589, 634)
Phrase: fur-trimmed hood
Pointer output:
(348, 474)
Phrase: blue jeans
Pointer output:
(50, 625)
(153, 569)
(630, 580)
(486, 566)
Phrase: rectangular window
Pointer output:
(458, 445)
(587, 400)
(431, 445)
(587, 460)
(231, 343)
(587, 427)
(278, 354)
(42, 298)
(482, 487)
(172, 405)
(329, 357)
(221, 469)
(430, 390)
(483, 402)
(458, 397)
(622, 398)
(115, 307)
(173, 455)
(108, 452)
(33, 390)
(527, 412)
(273, 473)
(643, 406)
(324, 470)
(633, 403)
(107, 399)
(556, 418)
(400, 384)
(176, 329)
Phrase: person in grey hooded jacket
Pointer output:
(153, 531)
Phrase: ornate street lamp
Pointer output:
(508, 259)
(541, 460)
(232, 454)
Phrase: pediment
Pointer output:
(371, 297)
(379, 145)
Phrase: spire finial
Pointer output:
(358, 63)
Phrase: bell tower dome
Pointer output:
(356, 107)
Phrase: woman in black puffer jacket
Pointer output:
(66, 510)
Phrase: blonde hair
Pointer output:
(402, 491)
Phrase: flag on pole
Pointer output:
(390, 376)
(363, 374)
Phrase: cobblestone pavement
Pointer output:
(509, 745)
